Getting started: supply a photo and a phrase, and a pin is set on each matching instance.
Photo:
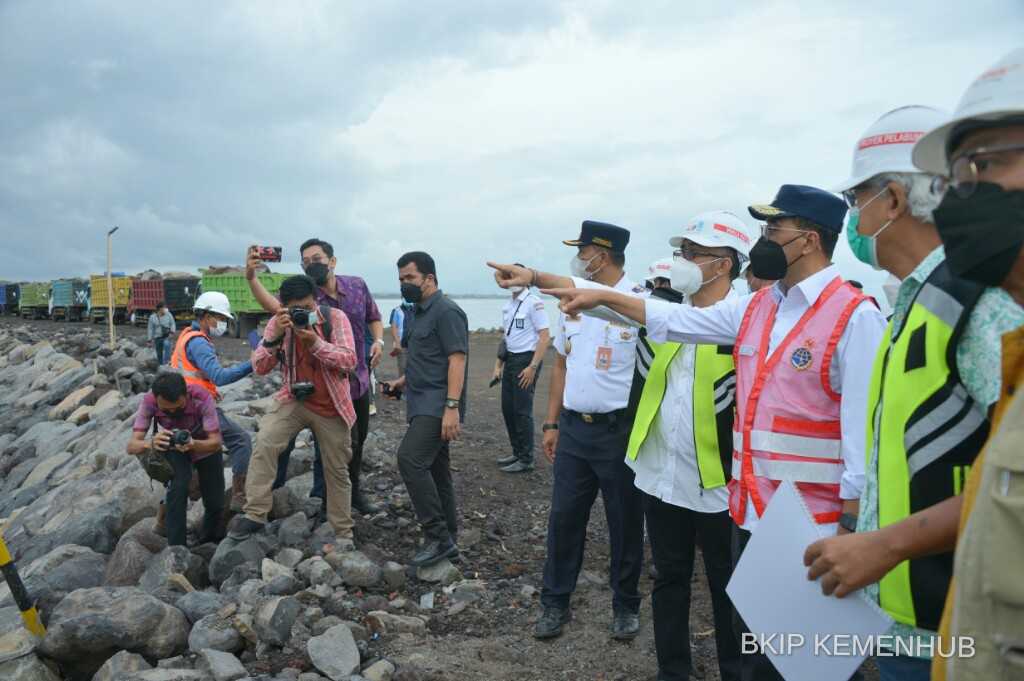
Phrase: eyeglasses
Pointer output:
(689, 253)
(769, 230)
(965, 169)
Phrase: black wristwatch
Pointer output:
(549, 426)
(451, 403)
(848, 522)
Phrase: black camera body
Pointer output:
(301, 317)
(391, 392)
(180, 437)
(302, 389)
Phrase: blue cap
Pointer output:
(602, 234)
(797, 200)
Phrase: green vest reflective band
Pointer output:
(714, 390)
(926, 431)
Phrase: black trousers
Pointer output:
(517, 405)
(360, 430)
(675, 533)
(423, 461)
(211, 484)
(590, 458)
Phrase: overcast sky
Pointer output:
(472, 130)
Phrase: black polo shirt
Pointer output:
(438, 328)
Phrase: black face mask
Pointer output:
(669, 294)
(412, 292)
(983, 234)
(768, 260)
(317, 271)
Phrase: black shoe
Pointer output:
(551, 622)
(625, 626)
(364, 505)
(506, 460)
(242, 528)
(434, 552)
(517, 467)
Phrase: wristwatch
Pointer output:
(452, 404)
(378, 340)
(549, 426)
(848, 522)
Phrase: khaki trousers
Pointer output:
(283, 422)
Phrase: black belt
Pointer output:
(609, 417)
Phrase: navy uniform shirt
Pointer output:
(437, 329)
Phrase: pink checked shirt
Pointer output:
(336, 359)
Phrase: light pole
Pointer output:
(110, 290)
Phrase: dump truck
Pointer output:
(35, 300)
(100, 300)
(248, 313)
(12, 296)
(70, 299)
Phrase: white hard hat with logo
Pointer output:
(214, 301)
(717, 228)
(997, 94)
(886, 146)
(660, 269)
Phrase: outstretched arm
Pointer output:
(267, 301)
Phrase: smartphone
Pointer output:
(269, 253)
(494, 382)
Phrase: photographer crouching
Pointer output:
(315, 349)
(187, 434)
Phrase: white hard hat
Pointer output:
(997, 93)
(886, 146)
(214, 301)
(660, 269)
(717, 228)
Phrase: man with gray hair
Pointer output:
(933, 382)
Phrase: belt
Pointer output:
(609, 417)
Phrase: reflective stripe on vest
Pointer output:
(181, 363)
(924, 429)
(713, 398)
(794, 445)
(778, 470)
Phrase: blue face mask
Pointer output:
(864, 247)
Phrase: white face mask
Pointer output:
(515, 289)
(578, 267)
(220, 329)
(688, 277)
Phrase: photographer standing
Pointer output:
(316, 351)
(161, 326)
(188, 435)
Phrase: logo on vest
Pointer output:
(802, 358)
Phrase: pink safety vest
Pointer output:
(785, 406)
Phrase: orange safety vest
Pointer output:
(181, 362)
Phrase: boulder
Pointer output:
(26, 668)
(270, 569)
(294, 531)
(381, 670)
(52, 577)
(230, 554)
(220, 665)
(199, 604)
(120, 666)
(285, 504)
(385, 622)
(90, 625)
(133, 553)
(334, 653)
(274, 619)
(170, 561)
(46, 467)
(394, 575)
(70, 403)
(355, 568)
(214, 632)
(442, 572)
(288, 557)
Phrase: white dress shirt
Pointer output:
(523, 331)
(599, 357)
(666, 465)
(849, 372)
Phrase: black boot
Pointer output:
(359, 502)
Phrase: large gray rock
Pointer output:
(230, 554)
(220, 665)
(285, 504)
(26, 668)
(394, 575)
(51, 577)
(334, 653)
(121, 666)
(170, 561)
(90, 625)
(134, 551)
(355, 568)
(274, 619)
(198, 604)
(215, 633)
(65, 384)
(294, 531)
(442, 572)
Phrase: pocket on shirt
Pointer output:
(1003, 527)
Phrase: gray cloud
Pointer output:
(472, 130)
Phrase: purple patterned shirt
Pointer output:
(355, 301)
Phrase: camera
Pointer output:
(391, 392)
(180, 437)
(300, 316)
(302, 389)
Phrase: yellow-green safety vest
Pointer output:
(926, 430)
(714, 399)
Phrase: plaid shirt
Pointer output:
(337, 359)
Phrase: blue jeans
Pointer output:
(237, 442)
(903, 668)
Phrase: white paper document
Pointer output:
(807, 635)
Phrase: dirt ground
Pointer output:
(503, 519)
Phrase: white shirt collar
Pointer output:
(811, 287)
